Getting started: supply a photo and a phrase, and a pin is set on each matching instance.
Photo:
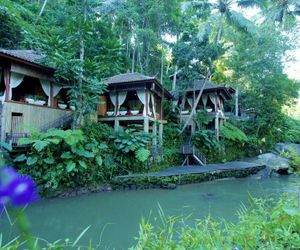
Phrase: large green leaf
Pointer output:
(66, 155)
(25, 141)
(142, 154)
(70, 166)
(49, 161)
(82, 164)
(88, 154)
(40, 145)
(53, 140)
(20, 158)
(99, 160)
(31, 160)
(6, 146)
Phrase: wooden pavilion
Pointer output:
(212, 100)
(134, 98)
(29, 95)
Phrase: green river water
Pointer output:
(114, 216)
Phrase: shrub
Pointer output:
(294, 158)
(231, 145)
(131, 148)
(291, 131)
(61, 159)
(100, 132)
(259, 227)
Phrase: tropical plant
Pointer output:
(294, 158)
(202, 118)
(132, 147)
(232, 133)
(205, 137)
(259, 226)
(61, 159)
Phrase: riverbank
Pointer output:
(169, 178)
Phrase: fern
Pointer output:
(142, 154)
(231, 132)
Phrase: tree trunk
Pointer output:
(220, 29)
(80, 80)
(174, 78)
(193, 111)
(162, 67)
(41, 11)
(133, 59)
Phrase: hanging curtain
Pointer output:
(221, 105)
(190, 102)
(121, 98)
(56, 89)
(2, 98)
(113, 98)
(153, 105)
(15, 80)
(142, 97)
(47, 89)
(213, 99)
(204, 100)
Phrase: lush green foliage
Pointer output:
(291, 130)
(232, 133)
(61, 159)
(132, 148)
(98, 131)
(202, 118)
(231, 146)
(264, 225)
(294, 158)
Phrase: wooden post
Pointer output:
(117, 124)
(7, 82)
(117, 104)
(237, 102)
(147, 102)
(217, 126)
(51, 95)
(146, 124)
(160, 133)
(154, 132)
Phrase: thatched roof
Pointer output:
(29, 57)
(127, 78)
(135, 78)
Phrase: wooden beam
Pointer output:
(160, 133)
(7, 82)
(146, 124)
(154, 132)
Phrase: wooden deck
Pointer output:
(196, 169)
(171, 177)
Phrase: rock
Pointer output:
(274, 162)
(286, 147)
(170, 186)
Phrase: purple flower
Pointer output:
(16, 189)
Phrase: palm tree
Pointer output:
(223, 11)
(281, 11)
(277, 11)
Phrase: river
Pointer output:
(114, 216)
